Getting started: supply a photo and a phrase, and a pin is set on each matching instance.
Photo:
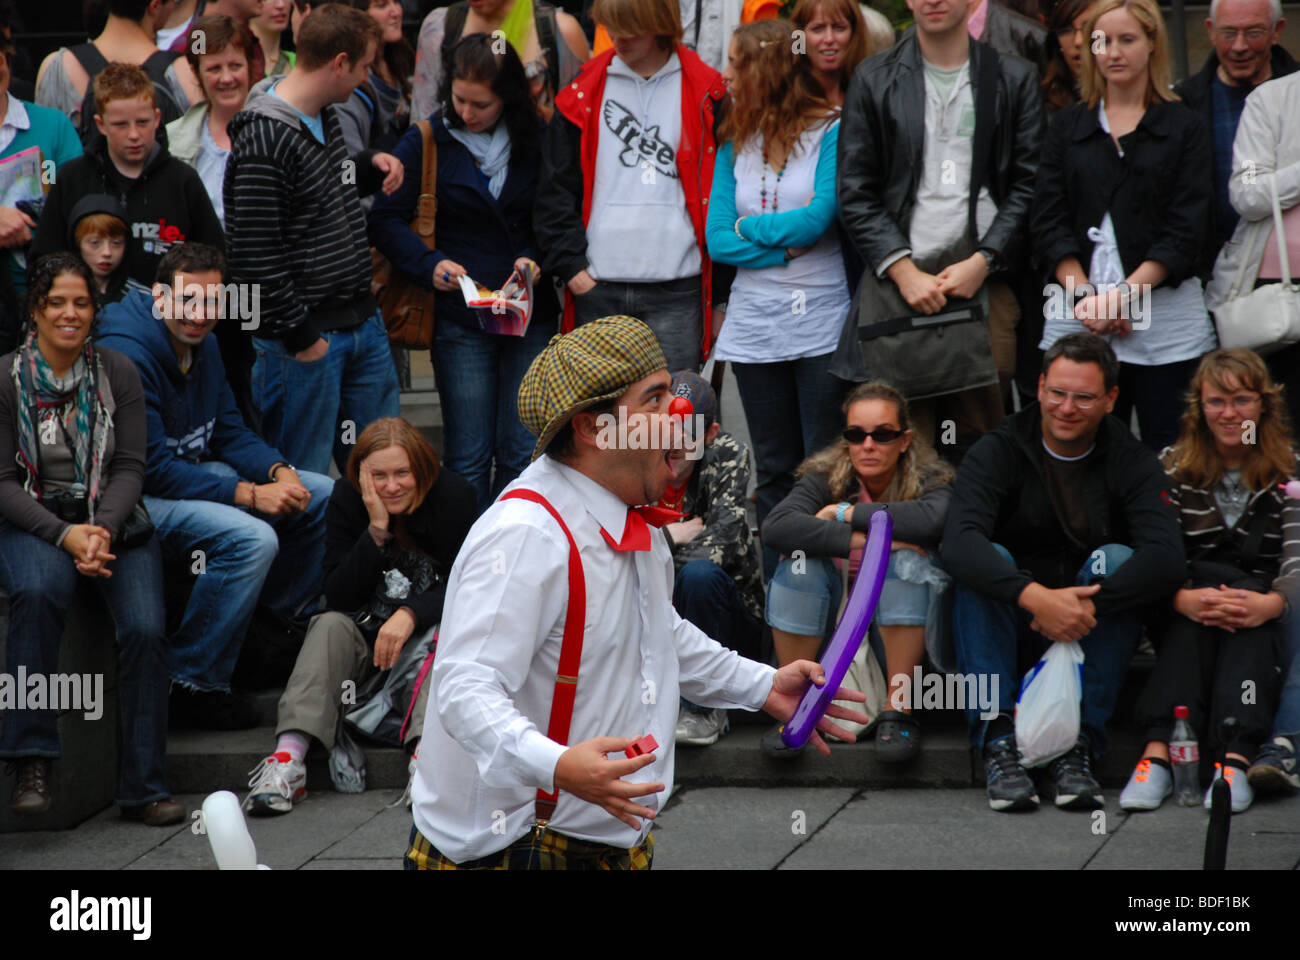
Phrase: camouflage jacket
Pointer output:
(717, 493)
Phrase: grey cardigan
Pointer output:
(792, 524)
(123, 477)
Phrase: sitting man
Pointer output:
(224, 503)
(1059, 497)
(717, 586)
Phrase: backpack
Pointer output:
(547, 39)
(93, 62)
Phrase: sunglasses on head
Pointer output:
(880, 435)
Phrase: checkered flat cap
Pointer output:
(598, 361)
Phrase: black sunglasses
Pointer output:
(880, 435)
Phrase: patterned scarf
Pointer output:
(72, 403)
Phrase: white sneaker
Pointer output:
(1147, 787)
(1242, 794)
(701, 728)
(276, 784)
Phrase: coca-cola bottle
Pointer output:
(1185, 758)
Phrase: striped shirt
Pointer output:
(1207, 537)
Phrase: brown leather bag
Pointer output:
(407, 307)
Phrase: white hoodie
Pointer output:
(639, 229)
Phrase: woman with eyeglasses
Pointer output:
(1243, 577)
(1064, 53)
(1124, 186)
(822, 527)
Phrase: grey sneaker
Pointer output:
(1148, 787)
(1242, 795)
(1009, 786)
(1274, 770)
(701, 728)
(1076, 788)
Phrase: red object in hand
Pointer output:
(681, 407)
(646, 744)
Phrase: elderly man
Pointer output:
(1246, 53)
(559, 617)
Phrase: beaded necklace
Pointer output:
(776, 188)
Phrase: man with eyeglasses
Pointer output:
(1059, 530)
(1246, 53)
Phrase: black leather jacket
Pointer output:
(1158, 194)
(1007, 31)
(882, 142)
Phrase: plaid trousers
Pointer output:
(534, 851)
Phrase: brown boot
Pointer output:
(32, 789)
(160, 813)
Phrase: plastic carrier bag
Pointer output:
(1047, 707)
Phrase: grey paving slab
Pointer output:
(730, 828)
(382, 837)
(104, 842)
(283, 843)
(1265, 837)
(948, 829)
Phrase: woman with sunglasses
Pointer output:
(1243, 576)
(823, 523)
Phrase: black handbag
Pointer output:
(137, 529)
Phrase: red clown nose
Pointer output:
(681, 407)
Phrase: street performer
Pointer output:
(559, 618)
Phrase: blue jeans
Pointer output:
(988, 636)
(1286, 723)
(706, 595)
(244, 557)
(478, 378)
(42, 581)
(312, 409)
(793, 410)
(671, 308)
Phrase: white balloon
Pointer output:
(224, 822)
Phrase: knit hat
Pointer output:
(596, 362)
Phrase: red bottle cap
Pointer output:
(1180, 713)
(646, 744)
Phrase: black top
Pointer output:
(355, 566)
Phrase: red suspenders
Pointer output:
(566, 676)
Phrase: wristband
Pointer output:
(841, 509)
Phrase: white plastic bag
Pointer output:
(1047, 707)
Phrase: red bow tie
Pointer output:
(636, 533)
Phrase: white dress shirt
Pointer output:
(484, 752)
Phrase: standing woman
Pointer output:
(199, 138)
(772, 215)
(836, 40)
(549, 42)
(1124, 185)
(268, 27)
(488, 160)
(72, 458)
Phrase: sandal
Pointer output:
(898, 737)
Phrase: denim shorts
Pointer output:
(805, 603)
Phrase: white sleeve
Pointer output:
(507, 592)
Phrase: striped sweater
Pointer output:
(294, 223)
(1207, 537)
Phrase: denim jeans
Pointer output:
(804, 603)
(706, 595)
(312, 409)
(478, 377)
(793, 410)
(1286, 723)
(994, 639)
(671, 308)
(239, 565)
(42, 581)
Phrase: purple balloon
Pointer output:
(848, 635)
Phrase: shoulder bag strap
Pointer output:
(426, 205)
(566, 677)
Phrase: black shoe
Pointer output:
(160, 813)
(898, 737)
(773, 746)
(1009, 787)
(1076, 789)
(212, 710)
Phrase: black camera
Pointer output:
(68, 507)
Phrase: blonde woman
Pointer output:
(1124, 186)
(877, 463)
